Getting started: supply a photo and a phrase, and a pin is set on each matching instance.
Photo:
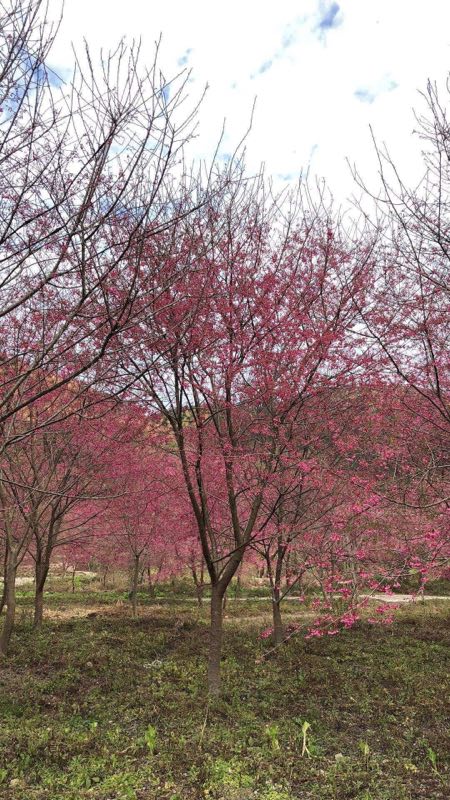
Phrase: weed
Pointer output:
(150, 739)
(272, 733)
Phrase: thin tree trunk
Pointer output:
(150, 584)
(202, 580)
(10, 585)
(238, 580)
(199, 583)
(43, 553)
(287, 570)
(278, 628)
(41, 573)
(215, 640)
(134, 585)
(3, 597)
(199, 591)
(38, 608)
(104, 576)
(73, 580)
(199, 588)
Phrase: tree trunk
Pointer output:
(199, 590)
(41, 573)
(73, 580)
(150, 584)
(3, 597)
(38, 607)
(134, 585)
(10, 585)
(199, 583)
(104, 576)
(215, 640)
(278, 629)
(238, 581)
(287, 570)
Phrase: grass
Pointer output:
(108, 708)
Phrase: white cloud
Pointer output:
(310, 64)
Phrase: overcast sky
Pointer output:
(321, 71)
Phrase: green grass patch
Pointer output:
(110, 708)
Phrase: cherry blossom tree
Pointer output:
(90, 171)
(79, 458)
(405, 320)
(302, 502)
(242, 340)
(137, 521)
(49, 481)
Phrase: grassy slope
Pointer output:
(104, 707)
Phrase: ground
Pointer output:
(105, 707)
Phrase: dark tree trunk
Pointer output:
(134, 585)
(218, 591)
(287, 570)
(41, 572)
(10, 603)
(278, 628)
(199, 591)
(104, 576)
(215, 640)
(199, 582)
(3, 595)
(238, 581)
(38, 608)
(275, 583)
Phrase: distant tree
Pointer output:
(137, 520)
(304, 499)
(406, 318)
(52, 488)
(405, 326)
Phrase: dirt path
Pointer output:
(379, 597)
(118, 609)
(405, 598)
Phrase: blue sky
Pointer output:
(321, 72)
